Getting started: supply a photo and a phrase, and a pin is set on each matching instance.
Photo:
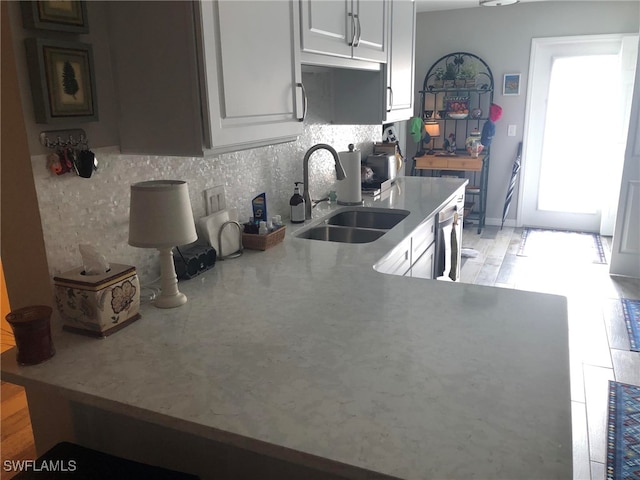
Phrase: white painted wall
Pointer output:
(502, 37)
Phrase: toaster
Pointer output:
(384, 166)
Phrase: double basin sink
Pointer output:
(355, 225)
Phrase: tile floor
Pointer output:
(599, 344)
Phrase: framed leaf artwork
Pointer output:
(62, 80)
(61, 15)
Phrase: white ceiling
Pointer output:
(434, 5)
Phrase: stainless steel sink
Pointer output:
(355, 225)
(368, 218)
(332, 233)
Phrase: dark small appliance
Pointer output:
(193, 260)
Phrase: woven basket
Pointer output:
(262, 242)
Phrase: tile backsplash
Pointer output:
(95, 211)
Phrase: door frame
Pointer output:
(539, 48)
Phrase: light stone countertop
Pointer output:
(306, 348)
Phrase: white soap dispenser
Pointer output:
(297, 205)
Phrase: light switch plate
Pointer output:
(511, 131)
(214, 199)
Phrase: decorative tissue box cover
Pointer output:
(98, 305)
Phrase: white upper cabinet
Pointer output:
(326, 28)
(401, 63)
(210, 76)
(252, 71)
(375, 97)
(371, 20)
(350, 29)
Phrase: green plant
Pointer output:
(468, 72)
(450, 72)
(439, 73)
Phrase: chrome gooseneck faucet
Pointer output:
(305, 166)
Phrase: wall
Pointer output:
(75, 210)
(23, 250)
(104, 132)
(502, 37)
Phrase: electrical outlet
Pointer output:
(214, 199)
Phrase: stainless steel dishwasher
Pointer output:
(449, 240)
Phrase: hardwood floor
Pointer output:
(599, 344)
(17, 438)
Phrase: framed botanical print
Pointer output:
(62, 15)
(62, 80)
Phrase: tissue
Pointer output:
(93, 262)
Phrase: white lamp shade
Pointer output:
(160, 214)
(432, 128)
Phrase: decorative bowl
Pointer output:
(458, 116)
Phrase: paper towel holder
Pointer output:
(350, 188)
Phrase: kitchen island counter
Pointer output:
(307, 355)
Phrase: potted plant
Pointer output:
(468, 74)
(450, 74)
(438, 77)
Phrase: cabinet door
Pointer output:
(252, 72)
(401, 61)
(371, 36)
(326, 27)
(398, 261)
(423, 236)
(423, 267)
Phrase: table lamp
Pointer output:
(433, 129)
(160, 216)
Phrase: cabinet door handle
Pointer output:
(390, 99)
(304, 102)
(353, 43)
(357, 44)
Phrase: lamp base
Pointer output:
(170, 301)
(170, 296)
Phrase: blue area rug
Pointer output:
(564, 245)
(623, 446)
(631, 310)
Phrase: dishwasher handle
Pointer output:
(448, 216)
